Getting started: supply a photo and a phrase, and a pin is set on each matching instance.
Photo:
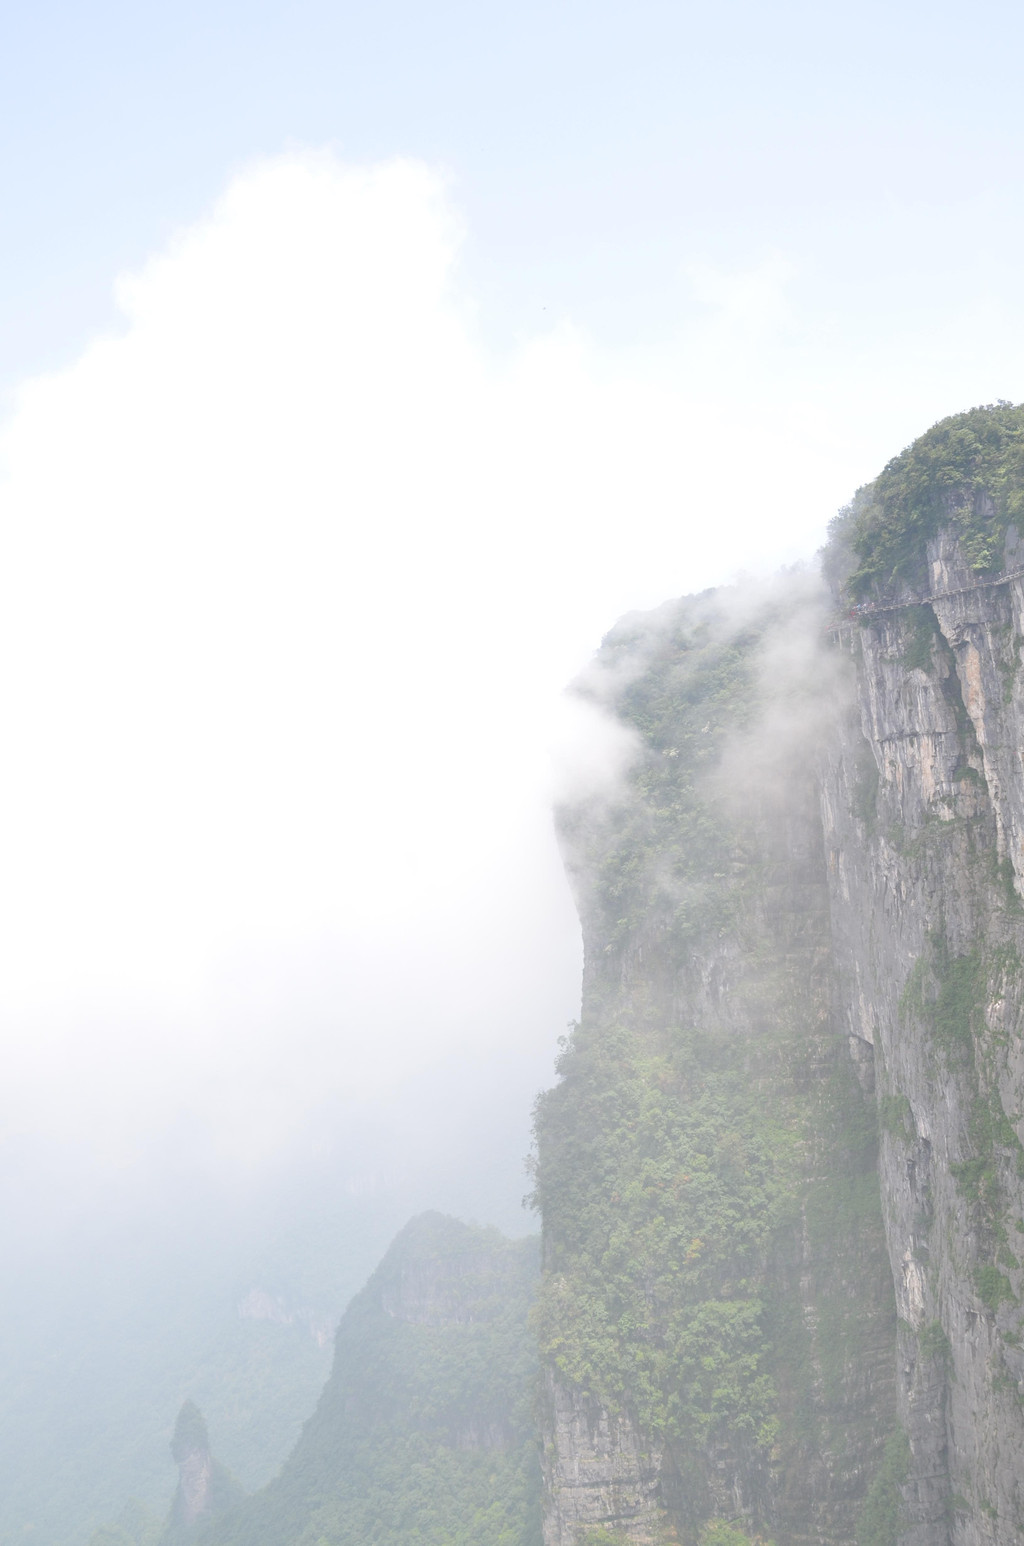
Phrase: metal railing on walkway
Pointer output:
(872, 608)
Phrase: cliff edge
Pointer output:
(782, 1176)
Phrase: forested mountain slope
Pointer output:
(717, 1315)
(424, 1433)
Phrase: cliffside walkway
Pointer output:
(873, 608)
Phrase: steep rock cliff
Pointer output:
(802, 917)
(205, 1488)
(925, 840)
(717, 1315)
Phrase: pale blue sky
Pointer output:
(597, 149)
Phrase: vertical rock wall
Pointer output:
(859, 898)
(709, 989)
(924, 829)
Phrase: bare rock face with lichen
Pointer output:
(925, 841)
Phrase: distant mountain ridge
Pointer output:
(424, 1434)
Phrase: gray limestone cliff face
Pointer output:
(600, 1471)
(865, 896)
(923, 808)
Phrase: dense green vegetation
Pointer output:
(719, 1532)
(966, 472)
(687, 1146)
(947, 994)
(669, 1183)
(883, 1513)
(136, 1525)
(424, 1435)
(662, 1182)
(669, 850)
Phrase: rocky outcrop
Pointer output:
(260, 1305)
(599, 1472)
(924, 827)
(205, 1489)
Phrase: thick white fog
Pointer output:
(292, 574)
(294, 568)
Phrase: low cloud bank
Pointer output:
(292, 574)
